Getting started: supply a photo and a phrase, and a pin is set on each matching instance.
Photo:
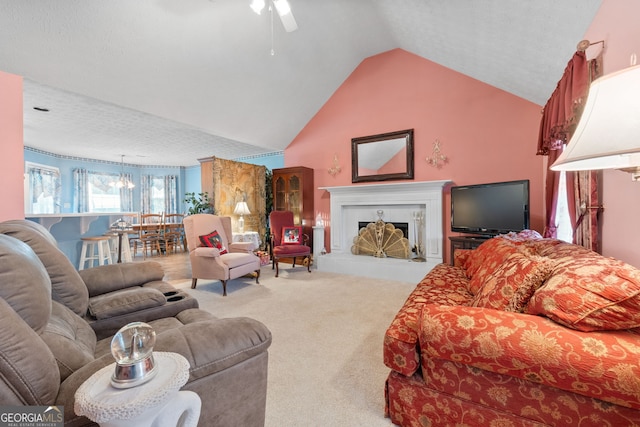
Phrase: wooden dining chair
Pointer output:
(174, 232)
(150, 234)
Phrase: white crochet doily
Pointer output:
(99, 401)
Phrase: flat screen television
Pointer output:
(490, 209)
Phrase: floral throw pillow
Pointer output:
(590, 292)
(213, 240)
(513, 283)
(485, 259)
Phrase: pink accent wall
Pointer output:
(487, 134)
(12, 159)
(616, 24)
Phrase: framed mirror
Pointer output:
(382, 157)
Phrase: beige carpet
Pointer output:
(325, 363)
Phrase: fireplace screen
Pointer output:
(381, 239)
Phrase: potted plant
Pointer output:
(198, 203)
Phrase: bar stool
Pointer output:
(95, 248)
(117, 254)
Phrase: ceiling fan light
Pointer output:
(282, 6)
(257, 6)
(286, 16)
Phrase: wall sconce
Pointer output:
(335, 169)
(437, 159)
(608, 134)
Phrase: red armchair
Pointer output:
(293, 245)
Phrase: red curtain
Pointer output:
(563, 109)
(587, 192)
(560, 117)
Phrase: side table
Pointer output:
(248, 236)
(158, 402)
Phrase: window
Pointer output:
(104, 196)
(564, 230)
(157, 194)
(42, 191)
(97, 192)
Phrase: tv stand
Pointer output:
(465, 242)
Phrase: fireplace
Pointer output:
(351, 205)
(402, 226)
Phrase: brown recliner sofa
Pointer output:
(107, 297)
(48, 349)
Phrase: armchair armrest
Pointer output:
(108, 278)
(206, 252)
(230, 341)
(596, 364)
(126, 301)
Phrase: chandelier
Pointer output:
(123, 182)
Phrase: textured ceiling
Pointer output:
(166, 82)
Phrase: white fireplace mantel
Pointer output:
(350, 204)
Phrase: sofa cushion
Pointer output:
(460, 257)
(67, 287)
(590, 292)
(513, 282)
(26, 286)
(125, 301)
(557, 249)
(108, 278)
(484, 260)
(70, 339)
(29, 372)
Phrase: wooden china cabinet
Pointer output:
(293, 191)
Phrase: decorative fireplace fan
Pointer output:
(381, 240)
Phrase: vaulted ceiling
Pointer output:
(165, 82)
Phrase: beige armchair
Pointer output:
(220, 258)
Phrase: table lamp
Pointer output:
(241, 209)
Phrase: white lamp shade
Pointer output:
(241, 209)
(608, 134)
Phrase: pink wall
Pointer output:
(12, 159)
(487, 134)
(616, 24)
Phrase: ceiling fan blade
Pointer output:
(289, 22)
(286, 16)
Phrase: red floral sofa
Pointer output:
(521, 331)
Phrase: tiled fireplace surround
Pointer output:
(350, 204)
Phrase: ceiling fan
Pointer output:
(284, 11)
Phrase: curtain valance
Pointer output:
(563, 109)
